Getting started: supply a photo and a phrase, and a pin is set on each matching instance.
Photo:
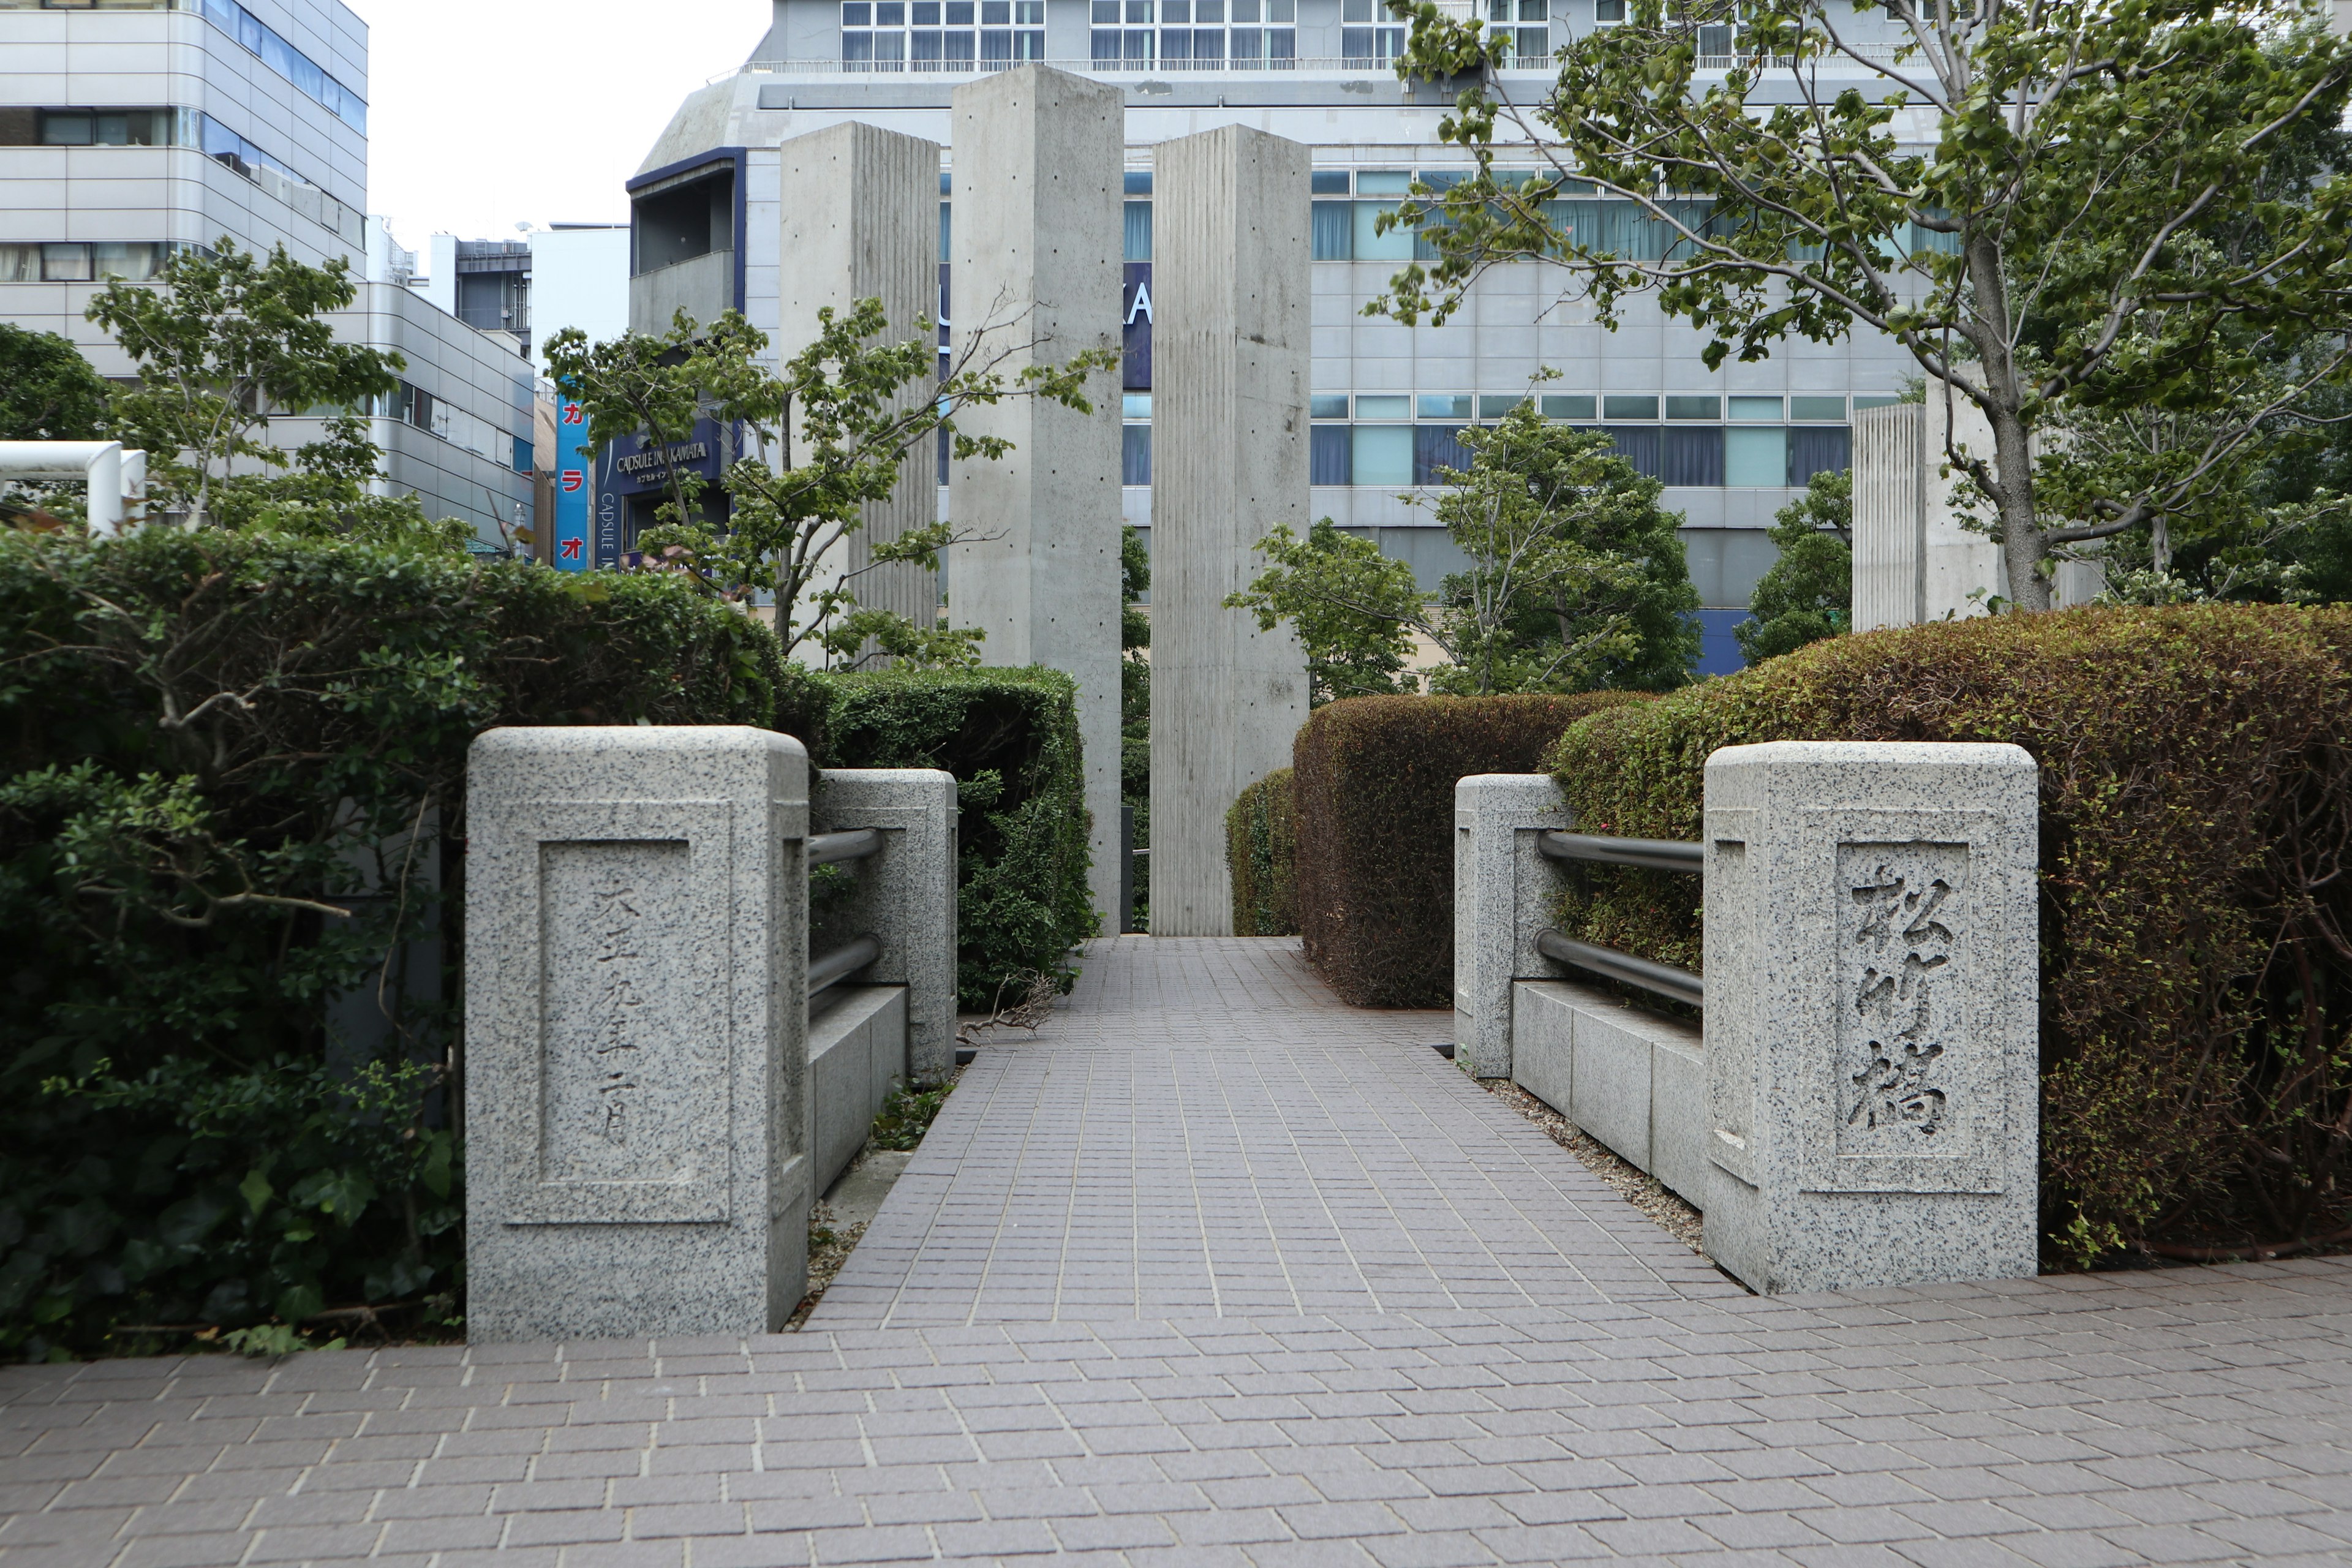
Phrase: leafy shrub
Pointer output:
(1261, 843)
(1011, 739)
(2195, 814)
(231, 786)
(1372, 785)
(906, 1115)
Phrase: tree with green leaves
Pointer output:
(224, 340)
(1349, 604)
(1576, 577)
(2107, 216)
(47, 391)
(1808, 592)
(818, 442)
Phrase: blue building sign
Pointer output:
(574, 493)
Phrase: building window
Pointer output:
(1194, 35)
(1755, 456)
(1366, 45)
(1330, 455)
(1434, 449)
(1816, 449)
(181, 128)
(81, 261)
(1382, 454)
(1693, 456)
(288, 61)
(1523, 27)
(1135, 455)
(940, 35)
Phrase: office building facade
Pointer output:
(133, 128)
(1731, 446)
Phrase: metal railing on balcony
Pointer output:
(1649, 855)
(496, 318)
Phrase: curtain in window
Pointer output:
(1813, 449)
(1135, 455)
(1139, 231)
(1693, 456)
(1329, 450)
(1335, 231)
(1638, 445)
(1434, 447)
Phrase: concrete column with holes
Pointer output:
(1229, 461)
(636, 965)
(1039, 163)
(1872, 1037)
(861, 221)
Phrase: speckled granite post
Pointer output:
(1503, 889)
(635, 971)
(1872, 1041)
(906, 895)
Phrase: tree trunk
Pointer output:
(2022, 546)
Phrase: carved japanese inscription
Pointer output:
(1902, 1077)
(616, 1080)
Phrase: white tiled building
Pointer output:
(1732, 445)
(130, 127)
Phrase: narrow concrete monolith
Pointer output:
(1039, 156)
(1229, 461)
(861, 221)
(1872, 1039)
(636, 965)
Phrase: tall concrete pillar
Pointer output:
(1039, 155)
(1228, 460)
(861, 221)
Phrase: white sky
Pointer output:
(485, 113)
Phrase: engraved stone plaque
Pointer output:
(1904, 1051)
(624, 1085)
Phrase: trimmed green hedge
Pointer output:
(1261, 845)
(206, 741)
(1372, 780)
(2195, 828)
(1011, 738)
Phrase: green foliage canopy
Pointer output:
(1808, 592)
(1577, 577)
(223, 340)
(231, 770)
(47, 391)
(819, 442)
(2095, 223)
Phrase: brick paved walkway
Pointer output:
(1216, 1272)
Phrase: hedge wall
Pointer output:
(1373, 784)
(1261, 844)
(206, 741)
(2196, 828)
(1011, 738)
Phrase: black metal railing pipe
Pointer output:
(1680, 984)
(1650, 854)
(842, 961)
(830, 848)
